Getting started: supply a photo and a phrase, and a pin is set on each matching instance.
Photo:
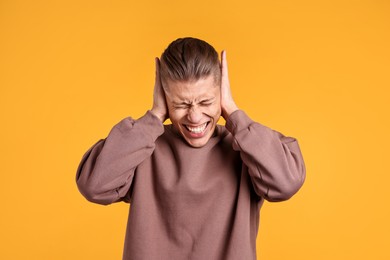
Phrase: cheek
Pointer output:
(214, 111)
(217, 107)
(175, 116)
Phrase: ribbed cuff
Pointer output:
(237, 121)
(149, 124)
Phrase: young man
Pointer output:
(195, 188)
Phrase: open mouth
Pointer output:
(197, 129)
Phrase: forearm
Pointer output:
(106, 171)
(274, 161)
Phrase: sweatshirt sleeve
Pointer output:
(274, 161)
(106, 170)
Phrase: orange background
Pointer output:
(315, 70)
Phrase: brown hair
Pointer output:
(188, 59)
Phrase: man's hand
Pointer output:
(159, 103)
(228, 105)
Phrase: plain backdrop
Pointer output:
(314, 70)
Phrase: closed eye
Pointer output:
(181, 106)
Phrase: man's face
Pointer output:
(194, 108)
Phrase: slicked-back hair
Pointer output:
(189, 59)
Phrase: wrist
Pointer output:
(158, 114)
(229, 110)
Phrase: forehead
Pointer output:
(203, 88)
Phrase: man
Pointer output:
(195, 187)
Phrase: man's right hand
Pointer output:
(159, 103)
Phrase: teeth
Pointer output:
(198, 129)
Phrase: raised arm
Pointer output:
(274, 161)
(106, 171)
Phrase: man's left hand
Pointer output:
(228, 105)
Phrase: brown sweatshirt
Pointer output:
(191, 203)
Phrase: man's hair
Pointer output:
(189, 59)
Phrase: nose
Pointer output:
(194, 115)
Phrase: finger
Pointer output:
(224, 64)
(157, 67)
(158, 79)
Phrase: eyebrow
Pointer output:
(181, 103)
(207, 100)
(189, 102)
